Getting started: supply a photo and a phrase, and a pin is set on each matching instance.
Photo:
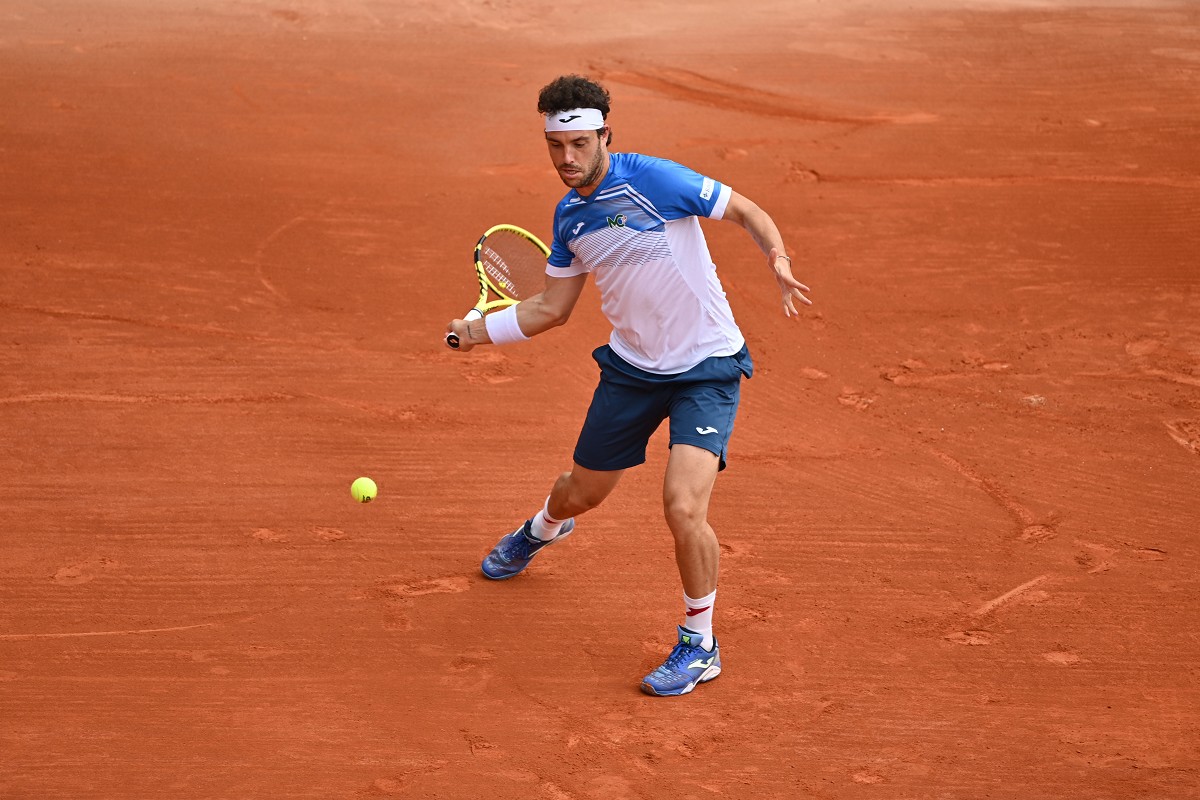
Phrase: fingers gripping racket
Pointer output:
(510, 263)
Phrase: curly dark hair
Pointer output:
(574, 91)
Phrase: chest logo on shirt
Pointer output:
(575, 230)
(618, 221)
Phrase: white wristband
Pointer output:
(502, 327)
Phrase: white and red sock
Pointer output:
(543, 526)
(697, 616)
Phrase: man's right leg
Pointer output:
(581, 490)
(574, 493)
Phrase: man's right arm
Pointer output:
(552, 307)
(536, 315)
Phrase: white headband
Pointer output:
(577, 119)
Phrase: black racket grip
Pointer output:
(452, 338)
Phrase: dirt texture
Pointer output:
(959, 525)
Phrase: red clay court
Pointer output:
(959, 526)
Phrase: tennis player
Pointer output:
(675, 352)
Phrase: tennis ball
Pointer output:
(364, 490)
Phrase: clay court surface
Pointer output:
(959, 527)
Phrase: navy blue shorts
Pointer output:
(629, 404)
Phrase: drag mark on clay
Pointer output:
(1173, 182)
(329, 534)
(1172, 377)
(476, 743)
(557, 792)
(24, 637)
(1161, 374)
(1097, 559)
(204, 330)
(1008, 596)
(398, 782)
(371, 409)
(1031, 529)
(1063, 658)
(1185, 432)
(691, 87)
(452, 585)
(971, 638)
(144, 399)
(398, 599)
(85, 572)
(258, 258)
(853, 398)
(261, 250)
(68, 313)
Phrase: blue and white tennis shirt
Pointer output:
(639, 235)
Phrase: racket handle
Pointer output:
(452, 338)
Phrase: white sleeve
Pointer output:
(718, 211)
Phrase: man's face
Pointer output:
(580, 157)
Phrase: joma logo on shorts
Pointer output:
(618, 221)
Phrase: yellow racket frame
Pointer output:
(489, 286)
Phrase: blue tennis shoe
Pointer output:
(514, 552)
(688, 665)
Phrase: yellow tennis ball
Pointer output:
(364, 490)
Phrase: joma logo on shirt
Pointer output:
(618, 221)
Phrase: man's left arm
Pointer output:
(766, 235)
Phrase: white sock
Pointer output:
(698, 617)
(545, 527)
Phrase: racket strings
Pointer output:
(514, 264)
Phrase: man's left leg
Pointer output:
(687, 487)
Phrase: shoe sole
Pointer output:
(555, 540)
(705, 677)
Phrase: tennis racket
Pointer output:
(510, 263)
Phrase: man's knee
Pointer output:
(581, 494)
(685, 513)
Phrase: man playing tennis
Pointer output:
(675, 351)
